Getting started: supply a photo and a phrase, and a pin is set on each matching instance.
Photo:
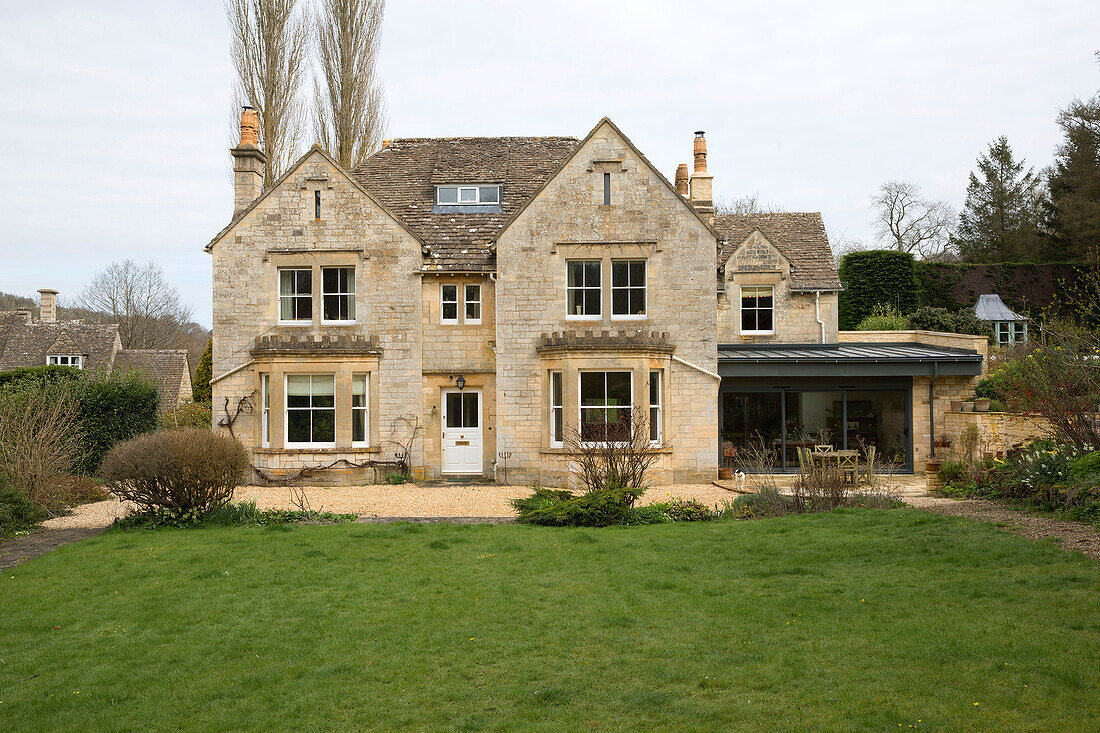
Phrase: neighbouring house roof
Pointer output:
(800, 237)
(24, 343)
(992, 308)
(166, 368)
(403, 176)
(845, 359)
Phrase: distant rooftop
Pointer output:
(991, 308)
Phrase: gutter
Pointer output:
(696, 367)
(231, 372)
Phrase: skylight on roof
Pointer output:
(467, 195)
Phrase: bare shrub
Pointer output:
(40, 443)
(188, 415)
(757, 461)
(820, 488)
(615, 454)
(179, 470)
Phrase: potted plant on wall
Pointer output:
(956, 405)
(981, 404)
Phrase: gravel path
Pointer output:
(1072, 536)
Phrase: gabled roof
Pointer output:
(800, 237)
(634, 148)
(165, 368)
(316, 149)
(25, 344)
(992, 308)
(404, 174)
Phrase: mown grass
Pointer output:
(857, 619)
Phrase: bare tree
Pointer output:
(746, 206)
(350, 105)
(149, 311)
(269, 51)
(617, 451)
(910, 222)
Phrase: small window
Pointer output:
(583, 289)
(473, 304)
(310, 410)
(557, 411)
(1019, 332)
(605, 406)
(338, 294)
(265, 415)
(70, 360)
(655, 407)
(607, 189)
(449, 304)
(316, 204)
(1004, 333)
(360, 386)
(628, 289)
(295, 295)
(467, 195)
(756, 310)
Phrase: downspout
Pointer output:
(932, 408)
(817, 309)
(220, 377)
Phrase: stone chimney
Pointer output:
(702, 196)
(386, 143)
(248, 162)
(47, 305)
(682, 179)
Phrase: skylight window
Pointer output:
(467, 195)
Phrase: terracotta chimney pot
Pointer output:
(682, 179)
(700, 152)
(386, 143)
(250, 128)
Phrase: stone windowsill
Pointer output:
(567, 452)
(315, 451)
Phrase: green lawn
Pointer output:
(868, 620)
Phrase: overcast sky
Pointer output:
(114, 116)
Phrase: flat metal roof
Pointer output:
(845, 359)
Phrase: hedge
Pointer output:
(111, 408)
(876, 277)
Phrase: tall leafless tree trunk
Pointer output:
(270, 46)
(910, 222)
(350, 106)
(149, 311)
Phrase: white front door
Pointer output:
(462, 432)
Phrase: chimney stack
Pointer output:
(701, 195)
(47, 305)
(386, 142)
(248, 162)
(682, 179)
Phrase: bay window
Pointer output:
(606, 402)
(655, 428)
(360, 390)
(310, 410)
(557, 411)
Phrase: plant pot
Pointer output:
(956, 405)
(932, 466)
(725, 474)
(968, 407)
(981, 405)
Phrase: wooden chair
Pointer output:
(804, 461)
(867, 473)
(823, 449)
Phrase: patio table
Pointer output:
(846, 461)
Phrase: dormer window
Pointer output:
(69, 360)
(467, 195)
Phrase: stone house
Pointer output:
(474, 305)
(26, 342)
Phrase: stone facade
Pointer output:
(281, 230)
(568, 220)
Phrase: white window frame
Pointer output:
(287, 410)
(467, 302)
(644, 288)
(570, 288)
(350, 294)
(363, 411)
(581, 408)
(69, 360)
(656, 409)
(291, 296)
(265, 411)
(443, 302)
(557, 409)
(459, 190)
(741, 309)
